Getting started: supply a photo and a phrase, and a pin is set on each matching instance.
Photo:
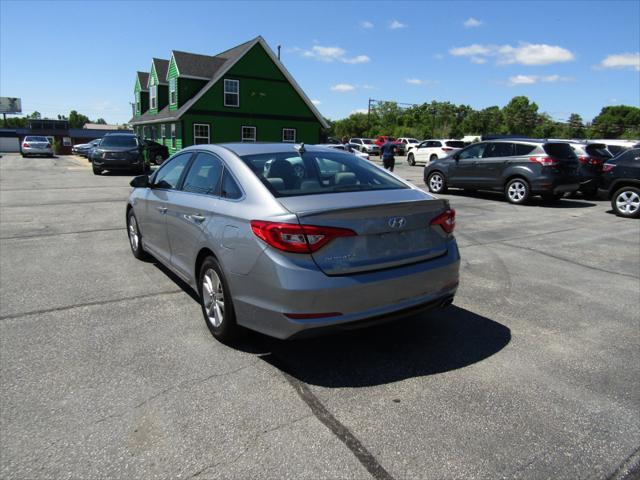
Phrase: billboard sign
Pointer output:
(10, 105)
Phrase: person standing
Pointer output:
(387, 151)
(346, 144)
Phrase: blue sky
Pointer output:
(574, 56)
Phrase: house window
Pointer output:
(144, 132)
(153, 94)
(163, 132)
(173, 91)
(289, 135)
(231, 93)
(201, 133)
(173, 135)
(248, 134)
(138, 106)
(153, 133)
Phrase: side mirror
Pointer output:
(141, 181)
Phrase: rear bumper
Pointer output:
(37, 151)
(555, 184)
(277, 287)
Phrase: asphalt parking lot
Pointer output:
(108, 369)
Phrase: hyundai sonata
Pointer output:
(288, 239)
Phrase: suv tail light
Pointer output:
(545, 161)
(25, 145)
(446, 220)
(295, 238)
(446, 149)
(584, 160)
(607, 167)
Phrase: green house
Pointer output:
(244, 94)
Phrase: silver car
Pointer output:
(288, 239)
(36, 145)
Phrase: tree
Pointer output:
(77, 120)
(101, 121)
(616, 121)
(520, 116)
(35, 116)
(575, 126)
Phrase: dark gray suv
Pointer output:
(519, 168)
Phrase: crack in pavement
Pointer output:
(97, 230)
(87, 304)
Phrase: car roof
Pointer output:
(256, 148)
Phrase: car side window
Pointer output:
(435, 144)
(502, 149)
(204, 175)
(521, 149)
(423, 145)
(169, 174)
(474, 151)
(230, 188)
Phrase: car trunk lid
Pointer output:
(392, 228)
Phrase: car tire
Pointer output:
(135, 237)
(626, 202)
(436, 182)
(97, 171)
(517, 191)
(411, 160)
(216, 302)
(433, 158)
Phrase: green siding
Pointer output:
(187, 88)
(173, 69)
(144, 97)
(163, 96)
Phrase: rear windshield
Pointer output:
(616, 149)
(559, 150)
(36, 139)
(287, 174)
(454, 144)
(366, 141)
(119, 141)
(598, 150)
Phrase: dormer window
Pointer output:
(173, 91)
(231, 93)
(138, 104)
(153, 96)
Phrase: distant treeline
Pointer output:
(519, 117)
(75, 119)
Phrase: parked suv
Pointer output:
(518, 168)
(119, 151)
(365, 145)
(620, 183)
(431, 150)
(591, 156)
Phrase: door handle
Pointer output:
(196, 218)
(162, 209)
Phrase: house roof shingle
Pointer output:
(196, 65)
(143, 78)
(162, 67)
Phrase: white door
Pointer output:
(9, 144)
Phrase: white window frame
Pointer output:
(173, 92)
(173, 136)
(138, 103)
(255, 134)
(153, 96)
(163, 132)
(237, 82)
(208, 137)
(289, 130)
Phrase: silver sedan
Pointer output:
(292, 239)
(36, 145)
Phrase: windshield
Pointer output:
(288, 174)
(36, 139)
(367, 141)
(119, 141)
(455, 144)
(559, 150)
(412, 140)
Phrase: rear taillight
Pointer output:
(25, 145)
(446, 149)
(446, 220)
(545, 161)
(607, 167)
(589, 160)
(291, 237)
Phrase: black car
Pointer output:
(119, 151)
(591, 157)
(620, 183)
(156, 152)
(519, 168)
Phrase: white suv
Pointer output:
(430, 150)
(365, 145)
(408, 142)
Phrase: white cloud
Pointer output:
(532, 79)
(366, 24)
(415, 81)
(343, 87)
(622, 60)
(523, 54)
(395, 24)
(359, 110)
(330, 54)
(472, 22)
(316, 102)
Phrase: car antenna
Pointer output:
(301, 149)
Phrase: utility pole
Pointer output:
(279, 47)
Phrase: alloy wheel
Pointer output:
(517, 191)
(628, 202)
(436, 182)
(213, 297)
(134, 237)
